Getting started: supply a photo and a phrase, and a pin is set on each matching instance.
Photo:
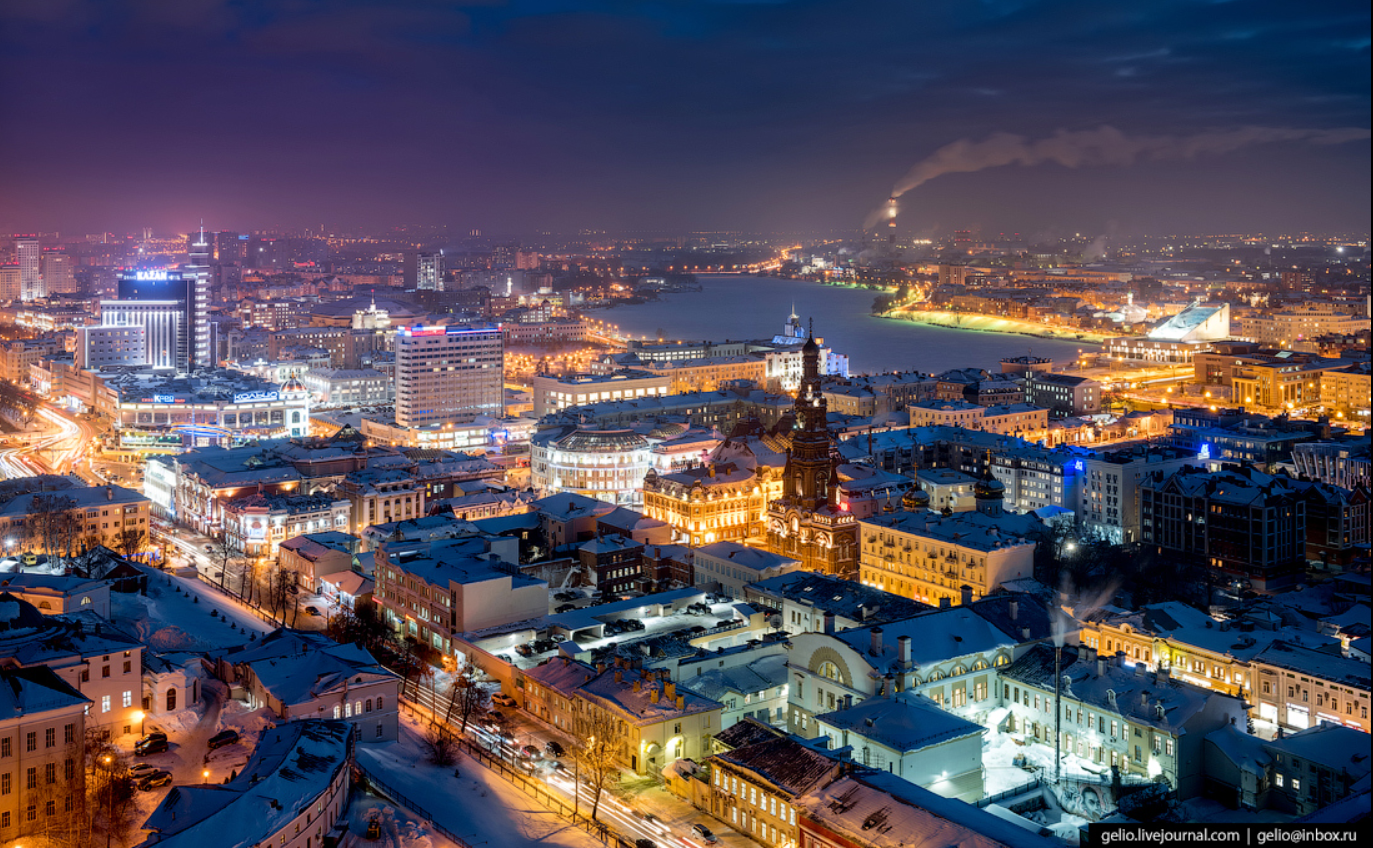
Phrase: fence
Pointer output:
(389, 791)
(528, 784)
(1010, 793)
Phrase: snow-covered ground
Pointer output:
(479, 806)
(170, 618)
(999, 749)
(400, 828)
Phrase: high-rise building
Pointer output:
(30, 271)
(58, 275)
(448, 374)
(425, 272)
(197, 276)
(230, 247)
(172, 307)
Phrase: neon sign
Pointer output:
(150, 276)
(1205, 452)
(249, 397)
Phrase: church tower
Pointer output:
(808, 523)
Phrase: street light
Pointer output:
(138, 716)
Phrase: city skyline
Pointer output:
(748, 116)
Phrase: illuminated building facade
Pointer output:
(448, 374)
(608, 465)
(30, 270)
(807, 522)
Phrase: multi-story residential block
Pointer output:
(42, 731)
(753, 787)
(947, 489)
(649, 720)
(448, 374)
(612, 563)
(104, 513)
(1112, 716)
(1109, 508)
(1344, 463)
(726, 497)
(548, 690)
(1337, 522)
(313, 555)
(258, 524)
(729, 567)
(298, 675)
(382, 495)
(433, 589)
(307, 802)
(755, 690)
(1063, 395)
(708, 374)
(18, 355)
(93, 657)
(1243, 524)
(552, 394)
(1290, 326)
(1347, 394)
(1300, 687)
(938, 559)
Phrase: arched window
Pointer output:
(171, 700)
(337, 711)
(369, 705)
(379, 700)
(936, 675)
(830, 671)
(959, 669)
(980, 664)
(1001, 659)
(347, 710)
(357, 707)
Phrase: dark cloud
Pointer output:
(551, 113)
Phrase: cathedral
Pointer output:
(807, 522)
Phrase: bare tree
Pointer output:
(222, 550)
(597, 754)
(440, 745)
(467, 700)
(129, 541)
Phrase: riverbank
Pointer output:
(994, 324)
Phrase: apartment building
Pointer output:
(42, 730)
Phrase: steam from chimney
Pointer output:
(1101, 146)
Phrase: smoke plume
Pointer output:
(1103, 146)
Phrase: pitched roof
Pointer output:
(907, 722)
(784, 763)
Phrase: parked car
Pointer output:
(312, 611)
(565, 608)
(154, 780)
(703, 833)
(530, 751)
(138, 771)
(222, 738)
(147, 749)
(553, 749)
(697, 629)
(155, 735)
(524, 650)
(503, 699)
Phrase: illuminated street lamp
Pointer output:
(138, 716)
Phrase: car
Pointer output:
(650, 820)
(565, 608)
(138, 771)
(703, 833)
(524, 650)
(222, 738)
(147, 749)
(154, 780)
(495, 717)
(556, 765)
(503, 699)
(156, 735)
(530, 751)
(553, 749)
(697, 629)
(312, 611)
(645, 843)
(209, 549)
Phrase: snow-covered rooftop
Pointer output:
(907, 722)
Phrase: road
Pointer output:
(64, 451)
(672, 827)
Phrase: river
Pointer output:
(736, 307)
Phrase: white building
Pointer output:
(28, 252)
(104, 346)
(608, 465)
(348, 387)
(727, 567)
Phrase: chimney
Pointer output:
(670, 689)
(966, 592)
(903, 646)
(109, 493)
(1120, 659)
(638, 684)
(944, 603)
(1014, 609)
(619, 676)
(681, 702)
(1025, 633)
(848, 701)
(600, 667)
(875, 648)
(829, 623)
(1101, 665)
(1144, 699)
(655, 694)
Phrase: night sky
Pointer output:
(674, 115)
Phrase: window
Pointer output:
(50, 773)
(104, 703)
(128, 698)
(31, 741)
(1278, 779)
(1296, 784)
(68, 733)
(50, 737)
(31, 778)
(128, 666)
(379, 731)
(6, 747)
(338, 711)
(6, 784)
(105, 671)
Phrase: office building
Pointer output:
(26, 249)
(425, 272)
(57, 273)
(448, 374)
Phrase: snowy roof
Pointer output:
(974, 530)
(935, 637)
(610, 544)
(1182, 325)
(907, 722)
(639, 707)
(1327, 666)
(753, 559)
(302, 678)
(30, 691)
(1242, 749)
(78, 498)
(755, 677)
(745, 731)
(561, 674)
(71, 634)
(886, 811)
(26, 581)
(782, 762)
(349, 582)
(1339, 748)
(310, 548)
(566, 506)
(844, 598)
